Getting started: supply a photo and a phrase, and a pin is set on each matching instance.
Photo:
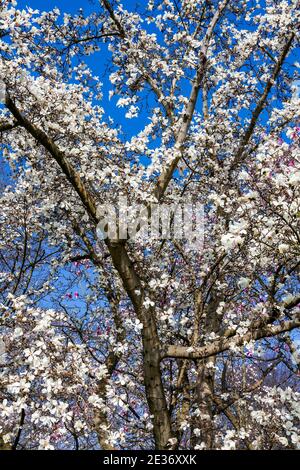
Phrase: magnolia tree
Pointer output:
(150, 340)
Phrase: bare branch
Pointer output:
(7, 127)
(261, 103)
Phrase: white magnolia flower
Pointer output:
(230, 241)
(44, 444)
(283, 441)
(243, 282)
(18, 332)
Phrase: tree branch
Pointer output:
(222, 345)
(261, 103)
(187, 116)
(8, 127)
(22, 419)
(111, 12)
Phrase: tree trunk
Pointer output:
(205, 403)
(155, 394)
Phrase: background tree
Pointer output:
(147, 343)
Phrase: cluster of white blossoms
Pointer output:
(43, 375)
